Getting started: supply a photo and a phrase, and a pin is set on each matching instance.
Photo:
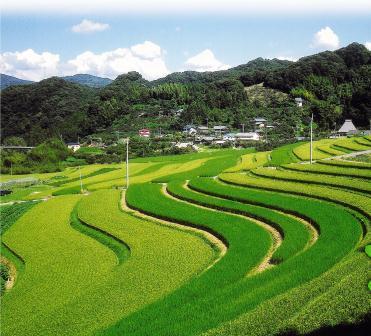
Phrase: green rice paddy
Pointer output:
(222, 242)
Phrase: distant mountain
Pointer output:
(335, 85)
(6, 81)
(244, 71)
(88, 80)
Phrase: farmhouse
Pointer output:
(260, 122)
(250, 136)
(230, 137)
(220, 129)
(190, 130)
(74, 146)
(347, 128)
(203, 130)
(144, 132)
(299, 102)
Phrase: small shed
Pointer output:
(74, 146)
(299, 101)
(203, 129)
(250, 136)
(347, 128)
(220, 129)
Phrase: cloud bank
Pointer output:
(87, 26)
(30, 65)
(147, 58)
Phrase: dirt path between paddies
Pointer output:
(276, 236)
(12, 273)
(312, 230)
(216, 244)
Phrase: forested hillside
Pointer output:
(335, 85)
(6, 81)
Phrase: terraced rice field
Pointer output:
(229, 242)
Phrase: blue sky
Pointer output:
(49, 42)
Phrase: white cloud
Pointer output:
(287, 58)
(368, 45)
(30, 65)
(87, 26)
(205, 61)
(285, 7)
(146, 58)
(148, 50)
(326, 39)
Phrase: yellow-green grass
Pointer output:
(296, 237)
(349, 199)
(70, 172)
(305, 177)
(363, 141)
(77, 282)
(313, 305)
(351, 144)
(303, 151)
(330, 150)
(333, 170)
(212, 166)
(60, 263)
(347, 164)
(250, 161)
(196, 307)
(26, 192)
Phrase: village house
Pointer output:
(347, 128)
(144, 132)
(299, 102)
(260, 122)
(203, 130)
(75, 146)
(219, 130)
(249, 136)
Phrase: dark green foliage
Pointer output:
(336, 85)
(45, 109)
(44, 158)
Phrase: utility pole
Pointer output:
(243, 128)
(311, 139)
(81, 190)
(127, 163)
